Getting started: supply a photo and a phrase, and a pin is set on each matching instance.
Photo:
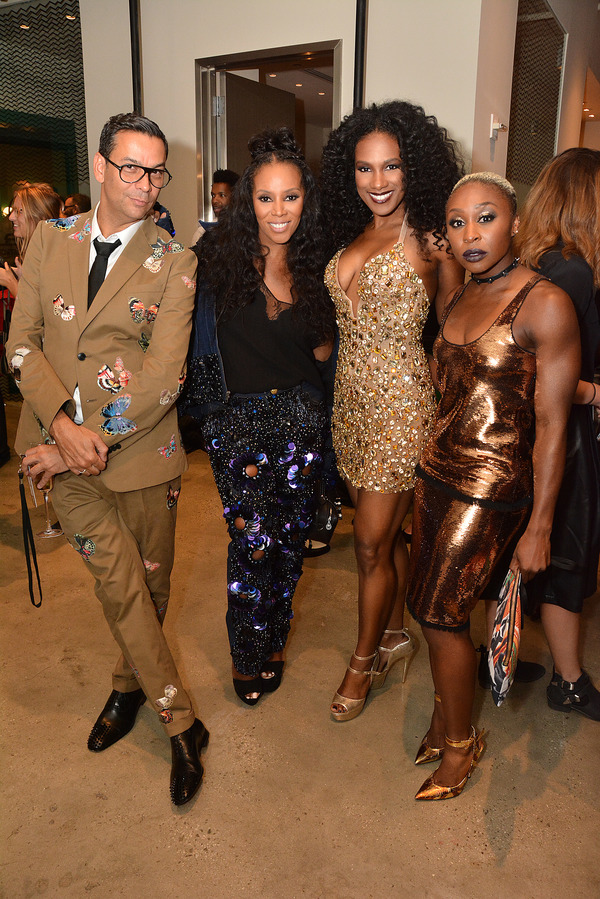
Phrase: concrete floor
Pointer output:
(293, 804)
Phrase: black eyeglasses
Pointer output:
(130, 174)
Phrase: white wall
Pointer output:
(426, 52)
(590, 136)
(106, 69)
(173, 36)
(453, 58)
(494, 83)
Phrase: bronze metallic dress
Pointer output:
(384, 400)
(475, 478)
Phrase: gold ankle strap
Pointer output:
(462, 744)
(368, 671)
(437, 697)
(401, 631)
(364, 658)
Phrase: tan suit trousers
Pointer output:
(127, 540)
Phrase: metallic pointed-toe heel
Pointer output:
(425, 752)
(351, 708)
(404, 650)
(431, 791)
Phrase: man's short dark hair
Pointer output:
(128, 121)
(81, 201)
(225, 176)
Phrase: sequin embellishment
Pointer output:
(384, 400)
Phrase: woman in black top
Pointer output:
(560, 237)
(264, 325)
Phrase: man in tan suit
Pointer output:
(99, 386)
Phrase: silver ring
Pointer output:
(83, 471)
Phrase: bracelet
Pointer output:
(593, 399)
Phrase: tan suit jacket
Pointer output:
(127, 352)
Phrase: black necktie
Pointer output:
(98, 269)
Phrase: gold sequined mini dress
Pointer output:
(384, 401)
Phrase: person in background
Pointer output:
(387, 172)
(559, 236)
(507, 358)
(76, 204)
(264, 326)
(32, 203)
(221, 192)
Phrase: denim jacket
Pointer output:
(205, 387)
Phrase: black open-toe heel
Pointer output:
(270, 676)
(244, 687)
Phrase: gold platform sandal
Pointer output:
(427, 753)
(430, 790)
(404, 650)
(351, 708)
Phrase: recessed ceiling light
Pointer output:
(321, 93)
(591, 116)
(272, 75)
(298, 84)
(71, 18)
(586, 109)
(25, 27)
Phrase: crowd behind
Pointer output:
(308, 364)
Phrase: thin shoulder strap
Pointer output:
(509, 313)
(457, 295)
(404, 228)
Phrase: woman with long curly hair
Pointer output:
(387, 172)
(32, 203)
(560, 237)
(264, 325)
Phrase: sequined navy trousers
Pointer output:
(266, 455)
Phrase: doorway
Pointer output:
(241, 94)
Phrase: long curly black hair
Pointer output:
(231, 259)
(431, 164)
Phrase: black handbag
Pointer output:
(329, 512)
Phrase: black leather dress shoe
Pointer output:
(116, 719)
(186, 768)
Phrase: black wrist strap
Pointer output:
(29, 544)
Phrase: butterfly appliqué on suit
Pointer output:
(113, 381)
(65, 312)
(168, 450)
(85, 547)
(172, 497)
(188, 282)
(113, 412)
(139, 313)
(81, 235)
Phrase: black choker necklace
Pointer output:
(501, 274)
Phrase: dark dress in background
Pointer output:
(575, 541)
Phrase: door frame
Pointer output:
(211, 121)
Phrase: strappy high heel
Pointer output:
(351, 708)
(425, 752)
(404, 650)
(430, 790)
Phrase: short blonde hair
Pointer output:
(495, 180)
